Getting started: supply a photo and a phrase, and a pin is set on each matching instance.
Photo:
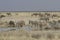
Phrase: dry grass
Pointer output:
(32, 35)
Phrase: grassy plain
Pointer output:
(26, 35)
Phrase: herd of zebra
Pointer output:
(42, 24)
(36, 25)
